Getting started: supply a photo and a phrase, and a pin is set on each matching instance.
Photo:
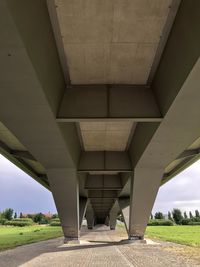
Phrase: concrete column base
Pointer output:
(71, 240)
(133, 241)
(136, 237)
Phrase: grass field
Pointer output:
(12, 236)
(183, 234)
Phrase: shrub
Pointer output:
(193, 223)
(185, 221)
(160, 222)
(3, 221)
(23, 220)
(20, 222)
(55, 222)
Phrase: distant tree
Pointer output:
(39, 217)
(159, 215)
(185, 215)
(20, 215)
(177, 216)
(197, 215)
(31, 216)
(190, 215)
(151, 216)
(54, 216)
(15, 216)
(170, 216)
(8, 214)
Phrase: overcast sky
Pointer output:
(23, 194)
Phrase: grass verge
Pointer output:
(183, 234)
(12, 236)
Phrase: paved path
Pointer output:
(100, 247)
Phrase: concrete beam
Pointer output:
(7, 153)
(64, 187)
(103, 182)
(104, 161)
(22, 154)
(113, 102)
(188, 153)
(34, 67)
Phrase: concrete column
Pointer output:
(144, 188)
(107, 221)
(113, 216)
(64, 186)
(124, 204)
(82, 209)
(90, 216)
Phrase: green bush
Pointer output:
(55, 222)
(3, 221)
(185, 221)
(23, 220)
(160, 222)
(193, 223)
(18, 223)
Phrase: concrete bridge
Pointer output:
(100, 102)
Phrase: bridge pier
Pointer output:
(83, 202)
(113, 218)
(144, 188)
(90, 217)
(64, 186)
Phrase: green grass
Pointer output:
(12, 236)
(183, 234)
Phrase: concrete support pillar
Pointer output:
(64, 186)
(107, 221)
(124, 204)
(144, 188)
(82, 209)
(113, 218)
(90, 217)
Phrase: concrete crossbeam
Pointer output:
(104, 161)
(101, 102)
(103, 182)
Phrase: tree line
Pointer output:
(40, 218)
(178, 217)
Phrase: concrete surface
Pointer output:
(106, 41)
(99, 247)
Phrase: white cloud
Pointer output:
(181, 192)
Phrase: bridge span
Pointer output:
(100, 102)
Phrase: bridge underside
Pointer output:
(99, 102)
